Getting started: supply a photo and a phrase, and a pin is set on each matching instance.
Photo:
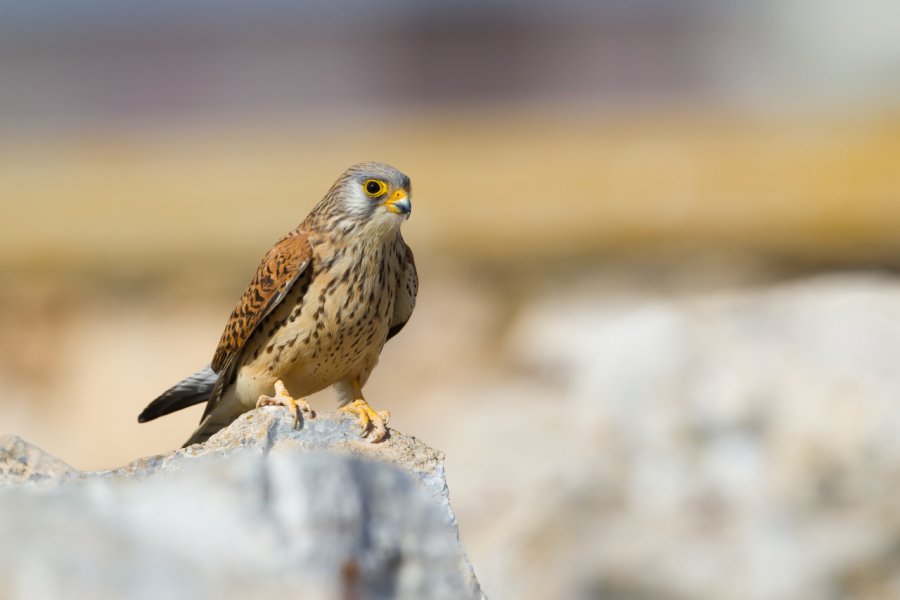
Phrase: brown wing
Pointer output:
(278, 271)
(406, 294)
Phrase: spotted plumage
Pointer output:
(321, 306)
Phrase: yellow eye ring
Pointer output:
(374, 187)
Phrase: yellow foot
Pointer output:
(368, 419)
(282, 398)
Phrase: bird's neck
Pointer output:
(341, 230)
(337, 239)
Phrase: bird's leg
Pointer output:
(283, 398)
(367, 416)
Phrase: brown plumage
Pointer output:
(317, 313)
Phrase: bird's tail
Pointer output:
(206, 429)
(191, 390)
(226, 410)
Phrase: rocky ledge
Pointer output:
(259, 511)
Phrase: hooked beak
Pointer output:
(399, 203)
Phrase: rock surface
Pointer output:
(21, 463)
(313, 513)
(741, 445)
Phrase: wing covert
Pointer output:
(277, 272)
(406, 294)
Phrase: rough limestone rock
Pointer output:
(740, 445)
(313, 513)
(21, 463)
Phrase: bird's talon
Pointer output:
(282, 398)
(372, 424)
(379, 432)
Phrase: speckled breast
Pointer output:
(333, 324)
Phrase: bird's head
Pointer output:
(372, 196)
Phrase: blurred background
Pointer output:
(658, 331)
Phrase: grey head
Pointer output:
(370, 195)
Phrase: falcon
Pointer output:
(320, 308)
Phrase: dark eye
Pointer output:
(374, 187)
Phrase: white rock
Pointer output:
(741, 445)
(260, 511)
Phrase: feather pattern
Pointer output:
(191, 390)
(322, 304)
(277, 272)
(406, 295)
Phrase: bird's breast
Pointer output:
(337, 327)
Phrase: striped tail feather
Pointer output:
(191, 390)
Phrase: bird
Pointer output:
(320, 308)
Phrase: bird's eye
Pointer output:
(374, 187)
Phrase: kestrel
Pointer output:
(324, 301)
